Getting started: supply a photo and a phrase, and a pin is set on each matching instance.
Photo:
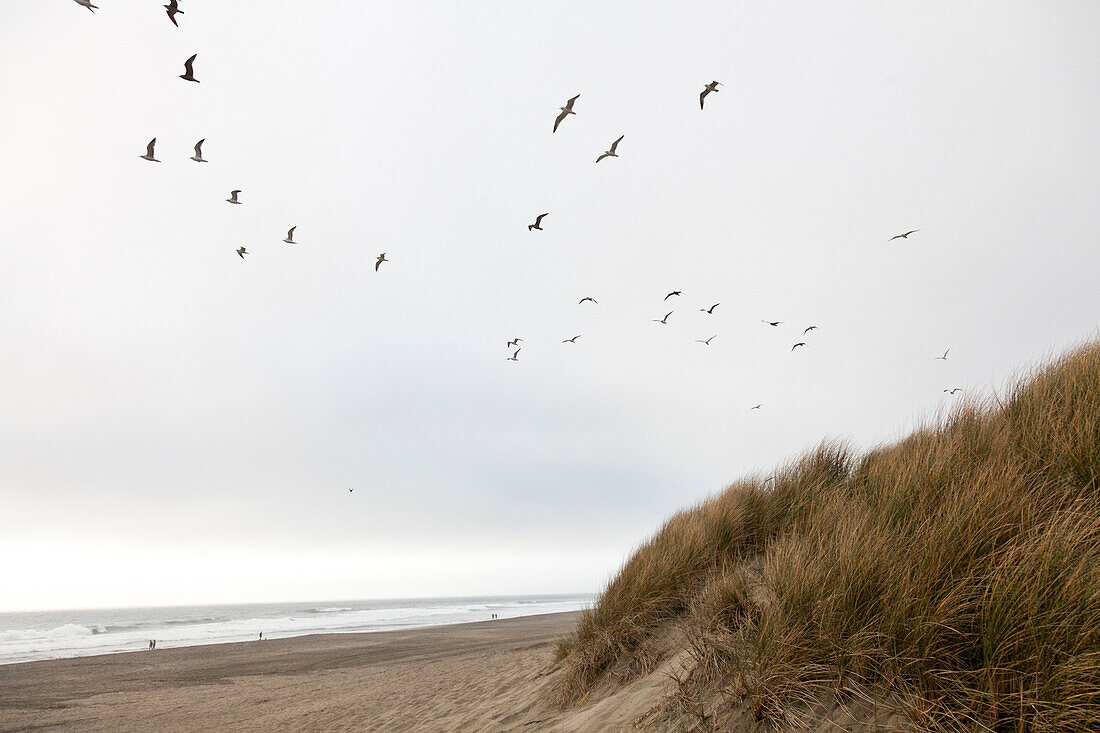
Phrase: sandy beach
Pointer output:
(477, 676)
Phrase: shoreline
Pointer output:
(394, 680)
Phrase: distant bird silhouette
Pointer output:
(772, 323)
(611, 153)
(565, 112)
(710, 311)
(197, 157)
(350, 490)
(953, 391)
(88, 5)
(942, 358)
(674, 292)
(290, 236)
(381, 259)
(572, 340)
(587, 297)
(173, 8)
(902, 236)
(800, 343)
(189, 70)
(233, 196)
(756, 407)
(514, 342)
(241, 252)
(707, 342)
(513, 356)
(538, 222)
(712, 87)
(149, 151)
(808, 329)
(665, 319)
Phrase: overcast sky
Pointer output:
(180, 425)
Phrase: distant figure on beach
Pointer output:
(150, 644)
(261, 636)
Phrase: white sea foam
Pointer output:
(89, 632)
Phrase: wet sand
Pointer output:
(490, 675)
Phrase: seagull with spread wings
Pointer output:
(513, 356)
(572, 340)
(197, 157)
(189, 69)
(290, 236)
(707, 342)
(710, 311)
(942, 358)
(88, 5)
(611, 153)
(772, 323)
(902, 236)
(379, 261)
(233, 196)
(565, 112)
(587, 298)
(241, 252)
(538, 222)
(665, 319)
(173, 8)
(149, 151)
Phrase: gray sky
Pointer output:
(182, 426)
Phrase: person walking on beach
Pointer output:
(261, 636)
(150, 645)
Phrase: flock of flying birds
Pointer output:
(172, 10)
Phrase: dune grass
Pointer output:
(956, 573)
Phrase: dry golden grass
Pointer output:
(956, 574)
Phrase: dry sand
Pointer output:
(489, 676)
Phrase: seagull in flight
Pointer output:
(88, 5)
(188, 69)
(665, 319)
(233, 196)
(565, 112)
(513, 356)
(953, 391)
(241, 252)
(149, 151)
(538, 222)
(808, 329)
(712, 87)
(350, 490)
(800, 343)
(572, 340)
(942, 358)
(772, 323)
(611, 153)
(587, 297)
(173, 7)
(707, 342)
(197, 157)
(902, 236)
(290, 236)
(756, 407)
(710, 311)
(674, 292)
(514, 342)
(381, 259)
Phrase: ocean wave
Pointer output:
(66, 631)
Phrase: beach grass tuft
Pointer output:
(955, 575)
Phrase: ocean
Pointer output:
(32, 635)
